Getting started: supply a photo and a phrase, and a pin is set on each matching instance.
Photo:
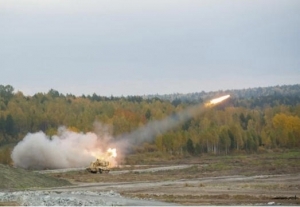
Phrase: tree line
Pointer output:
(239, 124)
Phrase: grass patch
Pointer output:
(149, 158)
(16, 178)
(219, 166)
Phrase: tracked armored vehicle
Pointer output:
(100, 166)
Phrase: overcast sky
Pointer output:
(137, 47)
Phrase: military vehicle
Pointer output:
(100, 166)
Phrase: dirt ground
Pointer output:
(268, 179)
(223, 190)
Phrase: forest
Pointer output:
(251, 120)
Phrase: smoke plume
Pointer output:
(148, 132)
(67, 149)
(125, 142)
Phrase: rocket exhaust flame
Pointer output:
(112, 152)
(217, 100)
(109, 156)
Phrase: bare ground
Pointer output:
(228, 180)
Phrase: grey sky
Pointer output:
(141, 47)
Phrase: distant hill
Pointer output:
(285, 94)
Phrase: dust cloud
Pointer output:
(67, 149)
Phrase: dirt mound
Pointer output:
(16, 178)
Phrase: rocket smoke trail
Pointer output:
(155, 128)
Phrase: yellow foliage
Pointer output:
(5, 156)
(73, 129)
(287, 128)
(51, 131)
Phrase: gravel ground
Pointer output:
(74, 198)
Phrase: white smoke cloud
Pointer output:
(67, 149)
